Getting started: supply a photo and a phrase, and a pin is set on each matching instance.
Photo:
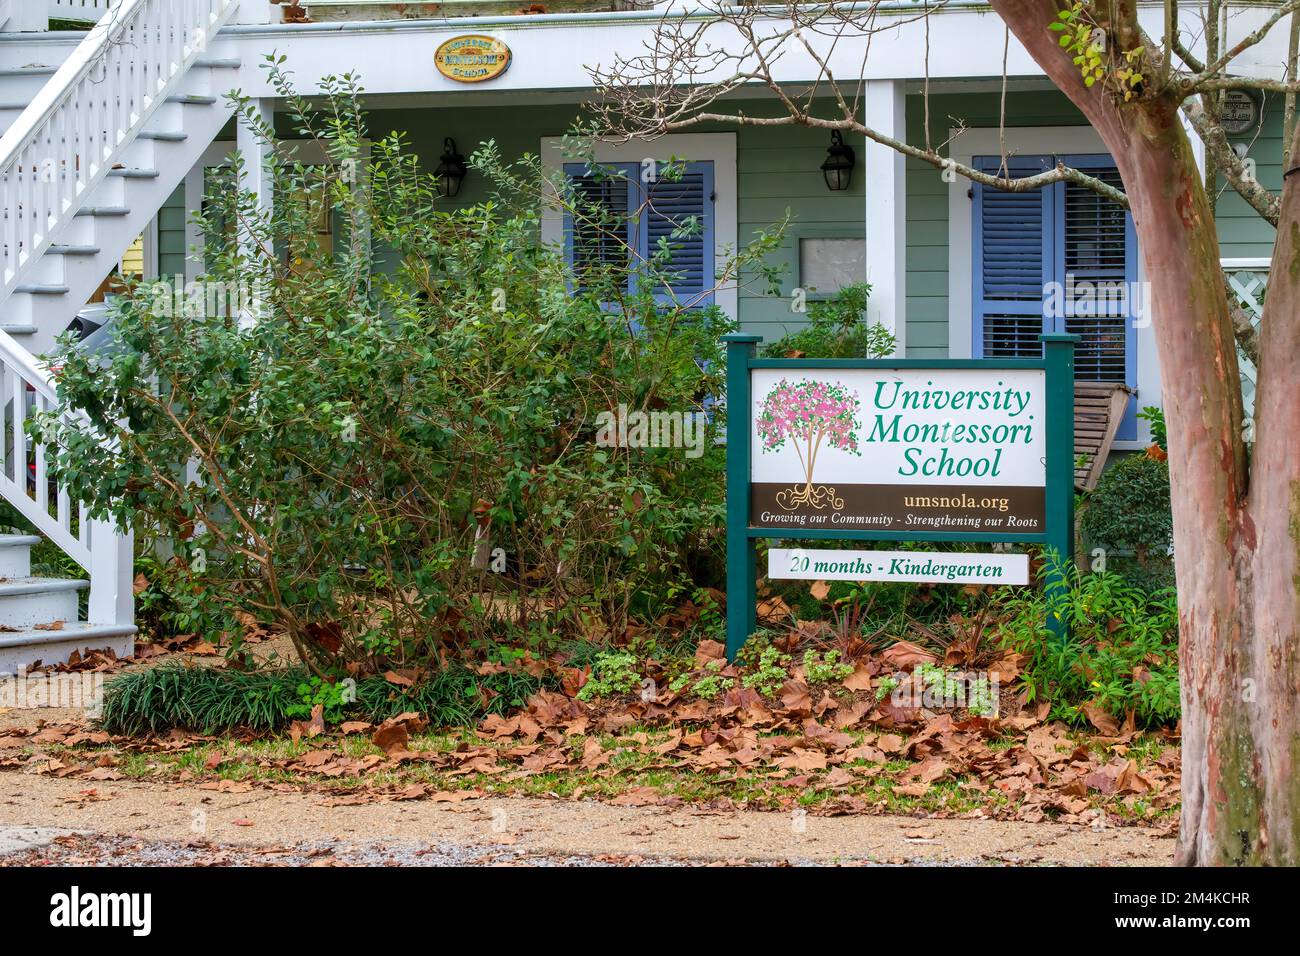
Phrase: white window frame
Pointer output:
(718, 148)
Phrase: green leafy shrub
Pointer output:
(1121, 656)
(1155, 415)
(394, 460)
(770, 672)
(331, 698)
(170, 600)
(826, 668)
(955, 690)
(613, 672)
(885, 686)
(837, 328)
(709, 685)
(1130, 509)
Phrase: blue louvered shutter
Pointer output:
(1032, 253)
(678, 215)
(1097, 267)
(601, 236)
(1012, 263)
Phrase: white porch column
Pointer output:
(256, 176)
(255, 153)
(885, 184)
(256, 11)
(112, 575)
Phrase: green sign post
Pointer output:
(978, 450)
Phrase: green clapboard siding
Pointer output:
(779, 171)
(1242, 233)
(171, 234)
(779, 175)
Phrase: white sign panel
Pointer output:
(899, 449)
(814, 564)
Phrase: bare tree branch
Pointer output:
(1216, 67)
(677, 83)
(1244, 331)
(1229, 163)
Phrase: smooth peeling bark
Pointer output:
(1236, 539)
(1274, 509)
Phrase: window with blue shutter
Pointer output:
(1012, 264)
(1059, 259)
(670, 212)
(678, 217)
(600, 236)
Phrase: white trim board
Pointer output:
(1024, 140)
(719, 148)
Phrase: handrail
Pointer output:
(25, 482)
(63, 144)
(15, 357)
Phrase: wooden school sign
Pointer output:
(977, 450)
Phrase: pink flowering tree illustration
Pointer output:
(809, 415)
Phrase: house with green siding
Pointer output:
(115, 128)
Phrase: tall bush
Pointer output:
(392, 451)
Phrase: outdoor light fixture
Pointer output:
(451, 171)
(838, 168)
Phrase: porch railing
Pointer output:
(1247, 283)
(89, 10)
(64, 143)
(51, 159)
(27, 388)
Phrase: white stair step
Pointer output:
(24, 81)
(70, 250)
(192, 99)
(134, 173)
(28, 601)
(42, 289)
(18, 328)
(103, 211)
(16, 554)
(20, 649)
(219, 62)
(164, 135)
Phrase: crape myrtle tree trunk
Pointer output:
(1235, 483)
(1236, 515)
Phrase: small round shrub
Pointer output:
(1130, 508)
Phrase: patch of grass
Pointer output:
(261, 762)
(214, 700)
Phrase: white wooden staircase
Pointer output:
(92, 146)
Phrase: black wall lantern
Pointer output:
(840, 159)
(451, 171)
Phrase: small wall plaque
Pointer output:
(472, 58)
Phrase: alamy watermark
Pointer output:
(942, 688)
(1077, 297)
(202, 298)
(30, 691)
(655, 429)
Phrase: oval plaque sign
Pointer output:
(472, 58)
